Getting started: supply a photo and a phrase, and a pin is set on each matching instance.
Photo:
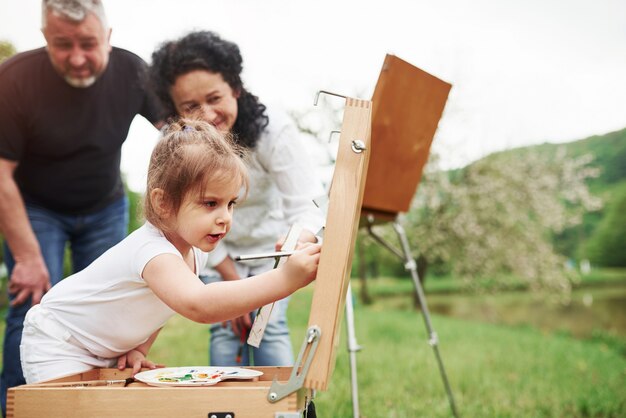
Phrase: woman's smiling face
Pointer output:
(204, 95)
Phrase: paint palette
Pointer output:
(194, 376)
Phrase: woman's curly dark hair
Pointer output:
(205, 50)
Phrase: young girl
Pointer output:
(111, 312)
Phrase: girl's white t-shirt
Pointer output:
(108, 308)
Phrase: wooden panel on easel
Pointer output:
(407, 106)
(344, 208)
(245, 399)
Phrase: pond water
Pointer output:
(590, 310)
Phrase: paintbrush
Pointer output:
(87, 383)
(277, 255)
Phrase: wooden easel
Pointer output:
(280, 391)
(407, 106)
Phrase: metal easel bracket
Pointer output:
(317, 95)
(279, 391)
(357, 145)
(330, 136)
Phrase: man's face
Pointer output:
(79, 51)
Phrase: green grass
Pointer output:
(494, 370)
(602, 276)
(384, 286)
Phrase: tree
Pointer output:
(135, 201)
(6, 50)
(608, 242)
(497, 215)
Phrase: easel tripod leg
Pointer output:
(433, 340)
(353, 347)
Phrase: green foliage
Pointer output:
(607, 246)
(6, 50)
(135, 202)
(609, 152)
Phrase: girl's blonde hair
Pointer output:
(190, 154)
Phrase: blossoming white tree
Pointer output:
(497, 215)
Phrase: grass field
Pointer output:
(494, 370)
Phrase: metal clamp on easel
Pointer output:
(298, 373)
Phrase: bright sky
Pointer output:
(523, 71)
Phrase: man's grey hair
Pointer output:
(74, 10)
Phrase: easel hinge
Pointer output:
(296, 380)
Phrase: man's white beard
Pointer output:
(80, 83)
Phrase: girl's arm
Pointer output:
(136, 358)
(173, 282)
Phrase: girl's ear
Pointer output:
(159, 203)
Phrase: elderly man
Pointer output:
(65, 111)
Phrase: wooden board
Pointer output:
(407, 106)
(344, 208)
(243, 398)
